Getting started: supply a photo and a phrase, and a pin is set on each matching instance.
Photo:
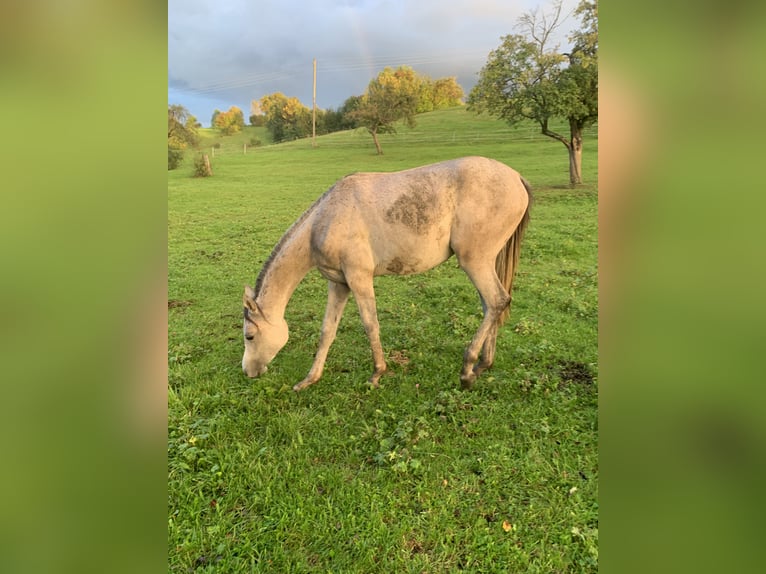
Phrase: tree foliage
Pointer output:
(580, 79)
(439, 94)
(229, 122)
(257, 117)
(182, 133)
(391, 97)
(447, 93)
(285, 118)
(527, 78)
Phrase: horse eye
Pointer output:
(249, 337)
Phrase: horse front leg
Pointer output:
(337, 297)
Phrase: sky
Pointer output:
(230, 52)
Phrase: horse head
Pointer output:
(263, 339)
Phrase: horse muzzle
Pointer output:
(253, 372)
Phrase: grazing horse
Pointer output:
(399, 223)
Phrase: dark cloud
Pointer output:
(234, 51)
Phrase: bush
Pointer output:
(255, 142)
(174, 158)
(202, 166)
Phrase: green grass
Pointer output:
(416, 476)
(233, 144)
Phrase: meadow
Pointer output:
(418, 475)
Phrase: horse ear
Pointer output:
(248, 299)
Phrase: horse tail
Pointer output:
(508, 258)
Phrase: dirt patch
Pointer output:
(399, 357)
(575, 373)
(175, 303)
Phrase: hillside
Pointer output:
(438, 135)
(209, 137)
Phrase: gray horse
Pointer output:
(399, 223)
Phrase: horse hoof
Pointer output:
(467, 381)
(302, 385)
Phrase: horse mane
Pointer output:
(284, 239)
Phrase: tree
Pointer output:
(351, 105)
(447, 93)
(229, 122)
(182, 133)
(391, 97)
(526, 78)
(257, 116)
(286, 118)
(425, 95)
(331, 120)
(579, 81)
(439, 94)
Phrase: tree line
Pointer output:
(394, 94)
(525, 78)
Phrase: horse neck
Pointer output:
(287, 266)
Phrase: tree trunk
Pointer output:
(377, 143)
(575, 153)
(573, 145)
(208, 170)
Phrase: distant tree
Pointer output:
(425, 88)
(297, 119)
(182, 133)
(286, 118)
(229, 122)
(213, 118)
(257, 116)
(351, 104)
(438, 94)
(332, 120)
(391, 97)
(527, 78)
(272, 105)
(447, 93)
(328, 121)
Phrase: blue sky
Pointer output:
(230, 52)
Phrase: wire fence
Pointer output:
(413, 137)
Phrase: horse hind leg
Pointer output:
(494, 300)
(487, 358)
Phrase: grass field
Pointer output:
(416, 476)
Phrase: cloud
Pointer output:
(238, 50)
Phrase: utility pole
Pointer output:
(314, 115)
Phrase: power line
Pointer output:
(334, 66)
